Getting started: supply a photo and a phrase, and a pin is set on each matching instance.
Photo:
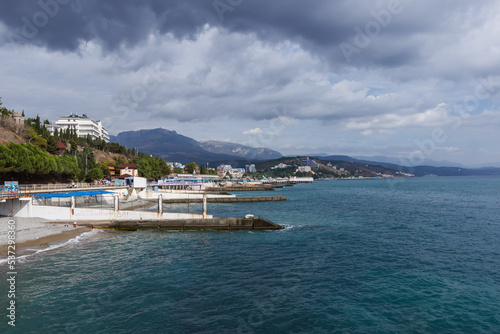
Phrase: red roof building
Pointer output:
(60, 148)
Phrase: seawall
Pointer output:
(218, 223)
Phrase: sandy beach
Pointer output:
(33, 234)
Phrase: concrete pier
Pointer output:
(219, 223)
(242, 188)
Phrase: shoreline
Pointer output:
(34, 235)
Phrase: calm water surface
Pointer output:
(411, 256)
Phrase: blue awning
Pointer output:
(74, 193)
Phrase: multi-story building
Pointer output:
(83, 126)
(225, 168)
(304, 169)
(250, 168)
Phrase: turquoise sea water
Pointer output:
(413, 256)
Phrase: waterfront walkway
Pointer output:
(29, 190)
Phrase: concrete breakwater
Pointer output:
(216, 223)
(229, 200)
(242, 188)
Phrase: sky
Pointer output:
(410, 79)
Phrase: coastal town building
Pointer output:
(225, 168)
(297, 179)
(311, 163)
(173, 165)
(12, 120)
(128, 170)
(83, 125)
(250, 168)
(61, 148)
(234, 173)
(304, 169)
(18, 118)
(280, 166)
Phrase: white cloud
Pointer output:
(255, 131)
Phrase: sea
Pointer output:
(413, 255)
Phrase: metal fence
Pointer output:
(93, 201)
(106, 202)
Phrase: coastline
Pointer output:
(35, 234)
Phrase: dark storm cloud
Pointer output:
(320, 27)
(64, 24)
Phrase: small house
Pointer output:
(128, 170)
(61, 148)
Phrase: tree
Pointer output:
(104, 167)
(74, 145)
(151, 167)
(37, 123)
(119, 161)
(94, 174)
(40, 142)
(203, 170)
(191, 167)
(211, 171)
(3, 110)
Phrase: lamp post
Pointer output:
(86, 155)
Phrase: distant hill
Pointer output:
(243, 151)
(172, 146)
(400, 161)
(421, 170)
(344, 165)
(451, 171)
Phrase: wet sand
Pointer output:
(34, 234)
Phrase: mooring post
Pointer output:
(72, 204)
(116, 203)
(204, 206)
(160, 204)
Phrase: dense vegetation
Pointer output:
(26, 161)
(151, 167)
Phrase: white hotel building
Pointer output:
(82, 124)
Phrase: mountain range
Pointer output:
(221, 147)
(172, 146)
(175, 147)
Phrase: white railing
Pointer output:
(29, 189)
